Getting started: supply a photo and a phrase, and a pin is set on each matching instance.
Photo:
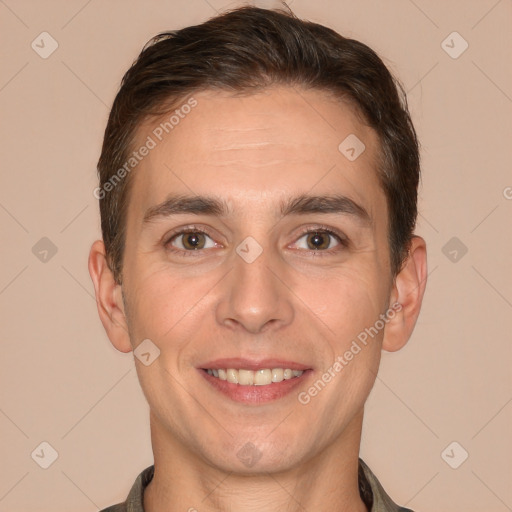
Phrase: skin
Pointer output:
(291, 302)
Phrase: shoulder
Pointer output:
(134, 501)
(120, 507)
(381, 502)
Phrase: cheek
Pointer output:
(167, 305)
(346, 302)
(350, 304)
(156, 302)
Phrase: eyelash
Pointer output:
(343, 241)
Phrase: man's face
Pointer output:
(209, 294)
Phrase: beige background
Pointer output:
(61, 380)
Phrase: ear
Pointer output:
(407, 296)
(108, 298)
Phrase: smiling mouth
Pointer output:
(255, 381)
(261, 377)
(256, 387)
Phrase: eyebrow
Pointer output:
(299, 205)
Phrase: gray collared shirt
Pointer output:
(372, 493)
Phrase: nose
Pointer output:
(255, 296)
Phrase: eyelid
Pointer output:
(169, 237)
(324, 229)
(341, 237)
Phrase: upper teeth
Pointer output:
(261, 377)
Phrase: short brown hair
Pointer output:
(245, 50)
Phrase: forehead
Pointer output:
(254, 149)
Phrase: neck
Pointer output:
(184, 481)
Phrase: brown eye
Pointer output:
(191, 241)
(318, 241)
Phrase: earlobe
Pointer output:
(108, 298)
(408, 291)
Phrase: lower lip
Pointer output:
(255, 394)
